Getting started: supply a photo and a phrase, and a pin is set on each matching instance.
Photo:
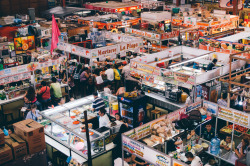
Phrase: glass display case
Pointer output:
(64, 125)
(156, 86)
(111, 103)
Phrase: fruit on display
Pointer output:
(238, 128)
(226, 130)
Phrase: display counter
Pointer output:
(64, 130)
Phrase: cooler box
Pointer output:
(18, 146)
(5, 154)
(33, 133)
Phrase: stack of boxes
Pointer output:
(28, 138)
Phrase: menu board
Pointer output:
(146, 153)
(232, 115)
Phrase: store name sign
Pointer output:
(107, 51)
(148, 154)
(170, 35)
(143, 33)
(127, 46)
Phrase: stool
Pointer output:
(6, 115)
(155, 114)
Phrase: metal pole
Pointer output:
(232, 137)
(88, 141)
(122, 154)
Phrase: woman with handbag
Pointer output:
(44, 95)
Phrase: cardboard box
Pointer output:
(33, 133)
(1, 137)
(5, 154)
(18, 146)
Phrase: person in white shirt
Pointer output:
(195, 161)
(107, 88)
(103, 119)
(110, 73)
(127, 159)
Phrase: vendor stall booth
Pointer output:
(156, 142)
(115, 7)
(107, 44)
(167, 74)
(109, 22)
(65, 132)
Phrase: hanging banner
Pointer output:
(143, 33)
(229, 4)
(142, 151)
(193, 106)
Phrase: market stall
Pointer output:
(64, 130)
(108, 44)
(165, 75)
(115, 7)
(149, 142)
(109, 21)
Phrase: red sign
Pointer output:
(170, 34)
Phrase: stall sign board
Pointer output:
(176, 114)
(169, 35)
(235, 116)
(143, 131)
(144, 152)
(229, 4)
(211, 107)
(241, 118)
(193, 106)
(142, 67)
(143, 33)
(180, 77)
(178, 163)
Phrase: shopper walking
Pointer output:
(56, 92)
(76, 77)
(117, 76)
(98, 81)
(110, 74)
(72, 89)
(84, 81)
(71, 68)
(44, 94)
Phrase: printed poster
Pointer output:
(142, 151)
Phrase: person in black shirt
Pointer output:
(211, 65)
(208, 133)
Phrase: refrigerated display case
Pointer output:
(133, 110)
